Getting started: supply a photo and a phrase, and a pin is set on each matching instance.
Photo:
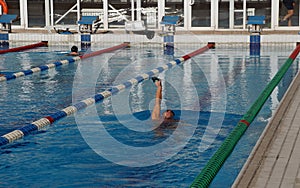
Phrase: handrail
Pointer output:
(217, 160)
(123, 16)
(65, 14)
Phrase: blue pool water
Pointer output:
(114, 143)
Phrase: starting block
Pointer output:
(255, 23)
(86, 23)
(168, 25)
(6, 20)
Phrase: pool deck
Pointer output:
(275, 160)
(182, 36)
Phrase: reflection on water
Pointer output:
(209, 94)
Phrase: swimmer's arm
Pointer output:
(158, 96)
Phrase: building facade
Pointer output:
(113, 14)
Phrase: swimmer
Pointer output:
(169, 114)
(165, 122)
(74, 51)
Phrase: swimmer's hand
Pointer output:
(154, 79)
(158, 83)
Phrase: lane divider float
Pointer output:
(69, 60)
(43, 122)
(27, 47)
(215, 163)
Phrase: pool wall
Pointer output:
(188, 37)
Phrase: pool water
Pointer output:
(114, 143)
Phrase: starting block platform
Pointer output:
(255, 23)
(168, 25)
(6, 20)
(86, 23)
(169, 20)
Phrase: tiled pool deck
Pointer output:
(275, 160)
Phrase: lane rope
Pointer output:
(27, 47)
(215, 163)
(43, 122)
(69, 60)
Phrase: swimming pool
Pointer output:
(113, 143)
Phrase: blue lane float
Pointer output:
(48, 120)
(69, 60)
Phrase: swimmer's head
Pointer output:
(74, 49)
(168, 114)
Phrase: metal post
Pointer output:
(231, 14)
(161, 11)
(132, 10)
(78, 10)
(244, 14)
(52, 12)
(105, 14)
(138, 10)
(24, 14)
(47, 13)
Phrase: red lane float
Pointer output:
(123, 45)
(21, 48)
(4, 7)
(210, 45)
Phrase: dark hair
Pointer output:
(171, 111)
(74, 49)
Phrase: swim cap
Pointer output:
(74, 49)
